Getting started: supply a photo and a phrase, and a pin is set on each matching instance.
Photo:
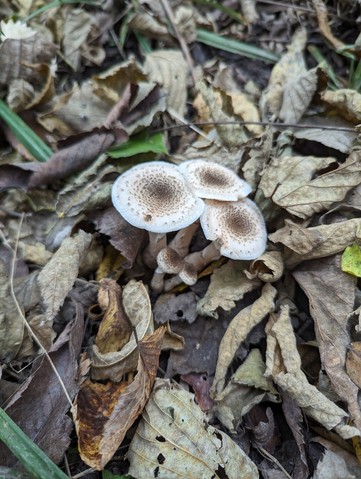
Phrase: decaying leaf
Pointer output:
(115, 364)
(229, 283)
(323, 23)
(173, 441)
(284, 365)
(103, 413)
(316, 241)
(247, 387)
(268, 267)
(237, 332)
(169, 69)
(57, 277)
(331, 294)
(346, 101)
(353, 362)
(11, 321)
(115, 328)
(291, 182)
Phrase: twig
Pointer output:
(184, 47)
(26, 324)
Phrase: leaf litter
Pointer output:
(195, 382)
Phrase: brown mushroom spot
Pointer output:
(212, 177)
(238, 222)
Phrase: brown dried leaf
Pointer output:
(103, 413)
(114, 365)
(201, 384)
(174, 440)
(316, 241)
(237, 332)
(353, 363)
(169, 69)
(76, 157)
(331, 294)
(40, 405)
(346, 101)
(115, 328)
(229, 283)
(268, 268)
(12, 176)
(58, 276)
(322, 17)
(11, 321)
(127, 239)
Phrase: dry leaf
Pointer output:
(316, 241)
(247, 387)
(228, 284)
(113, 365)
(115, 328)
(353, 363)
(103, 413)
(323, 23)
(237, 332)
(11, 321)
(268, 267)
(331, 465)
(331, 294)
(293, 184)
(346, 102)
(173, 441)
(58, 276)
(169, 69)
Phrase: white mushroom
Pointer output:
(156, 197)
(236, 229)
(169, 262)
(213, 181)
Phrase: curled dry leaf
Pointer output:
(346, 101)
(292, 184)
(317, 241)
(323, 23)
(237, 332)
(228, 284)
(247, 387)
(115, 328)
(113, 365)
(268, 268)
(331, 294)
(103, 413)
(284, 366)
(58, 276)
(173, 441)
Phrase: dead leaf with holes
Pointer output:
(103, 413)
(173, 440)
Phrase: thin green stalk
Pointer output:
(234, 46)
(222, 8)
(35, 145)
(33, 459)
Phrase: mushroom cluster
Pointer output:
(163, 198)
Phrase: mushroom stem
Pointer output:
(157, 241)
(181, 241)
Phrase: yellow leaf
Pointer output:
(351, 260)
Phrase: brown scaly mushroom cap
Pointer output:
(156, 197)
(213, 181)
(236, 227)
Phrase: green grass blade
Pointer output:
(140, 143)
(234, 46)
(59, 3)
(30, 140)
(33, 459)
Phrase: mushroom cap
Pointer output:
(188, 274)
(156, 197)
(213, 181)
(237, 228)
(169, 261)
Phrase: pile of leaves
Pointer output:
(255, 370)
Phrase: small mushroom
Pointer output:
(169, 262)
(156, 197)
(236, 230)
(213, 181)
